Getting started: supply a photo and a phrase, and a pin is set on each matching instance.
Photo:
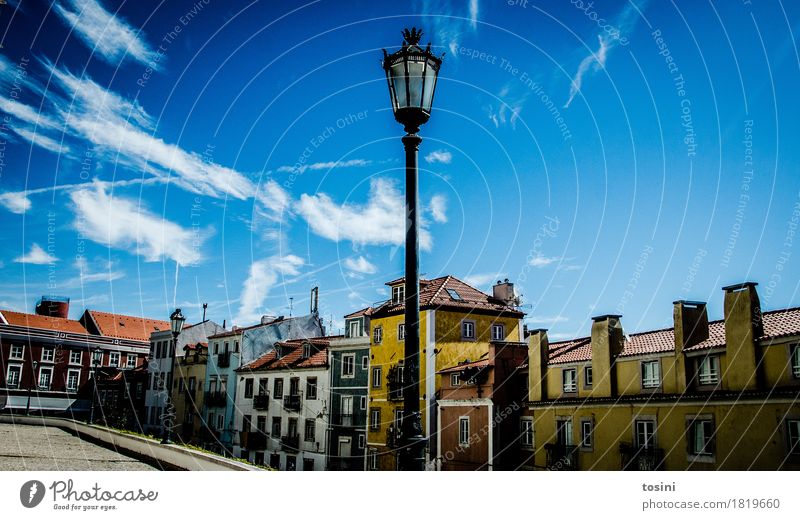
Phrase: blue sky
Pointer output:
(606, 158)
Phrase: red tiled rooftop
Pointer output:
(126, 327)
(462, 366)
(293, 358)
(35, 321)
(363, 312)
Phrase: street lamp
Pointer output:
(411, 73)
(176, 320)
(97, 355)
(34, 364)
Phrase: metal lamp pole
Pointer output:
(176, 320)
(34, 364)
(96, 364)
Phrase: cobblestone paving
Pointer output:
(39, 448)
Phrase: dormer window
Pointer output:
(307, 351)
(398, 294)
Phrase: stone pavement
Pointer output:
(39, 448)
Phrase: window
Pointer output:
(398, 419)
(373, 459)
(353, 328)
(248, 388)
(236, 346)
(291, 463)
(376, 377)
(13, 376)
(348, 365)
(130, 362)
(645, 433)
(796, 361)
(311, 430)
(48, 355)
(455, 379)
(362, 441)
(377, 335)
(180, 385)
(261, 423)
(192, 382)
(463, 431)
(308, 464)
(793, 436)
(526, 432)
(45, 378)
(276, 427)
(586, 433)
(75, 357)
(311, 388)
(363, 402)
(216, 348)
(708, 371)
(564, 432)
(375, 419)
(113, 359)
(398, 294)
(467, 329)
(307, 351)
(365, 363)
(16, 352)
(569, 380)
(651, 374)
(277, 389)
(701, 437)
(225, 350)
(247, 424)
(587, 376)
(263, 386)
(401, 332)
(346, 409)
(498, 332)
(454, 294)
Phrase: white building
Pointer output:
(281, 406)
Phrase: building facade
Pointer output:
(188, 396)
(282, 406)
(457, 323)
(720, 395)
(349, 378)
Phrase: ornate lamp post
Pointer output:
(176, 320)
(97, 355)
(411, 73)
(34, 364)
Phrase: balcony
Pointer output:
(216, 398)
(392, 437)
(253, 441)
(261, 401)
(561, 457)
(224, 360)
(343, 419)
(290, 443)
(293, 403)
(641, 459)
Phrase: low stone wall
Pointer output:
(169, 456)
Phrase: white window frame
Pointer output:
(43, 370)
(72, 361)
(708, 371)
(354, 333)
(362, 441)
(401, 332)
(526, 432)
(71, 371)
(795, 360)
(398, 294)
(375, 419)
(363, 402)
(346, 405)
(569, 387)
(651, 373)
(468, 330)
(377, 376)
(588, 376)
(128, 360)
(455, 379)
(501, 335)
(373, 459)
(365, 363)
(587, 432)
(51, 357)
(793, 437)
(701, 453)
(565, 431)
(19, 377)
(111, 357)
(377, 335)
(463, 434)
(11, 350)
(642, 427)
(352, 372)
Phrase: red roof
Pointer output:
(362, 312)
(35, 321)
(126, 327)
(436, 293)
(462, 366)
(292, 355)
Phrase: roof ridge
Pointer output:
(446, 279)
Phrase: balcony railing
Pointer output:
(392, 437)
(343, 419)
(561, 457)
(290, 442)
(253, 440)
(394, 382)
(215, 398)
(224, 360)
(293, 402)
(261, 401)
(649, 458)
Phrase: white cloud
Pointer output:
(275, 202)
(598, 59)
(86, 275)
(381, 221)
(27, 114)
(15, 202)
(261, 279)
(106, 34)
(438, 207)
(473, 13)
(541, 261)
(546, 319)
(41, 140)
(36, 256)
(360, 265)
(439, 156)
(449, 22)
(483, 279)
(120, 223)
(327, 165)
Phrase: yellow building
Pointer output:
(457, 322)
(187, 393)
(719, 395)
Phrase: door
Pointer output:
(344, 453)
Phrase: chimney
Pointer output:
(743, 326)
(608, 341)
(538, 356)
(691, 323)
(53, 306)
(504, 291)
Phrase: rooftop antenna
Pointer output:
(291, 305)
(205, 306)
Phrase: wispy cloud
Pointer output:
(36, 256)
(86, 275)
(542, 261)
(262, 277)
(510, 106)
(326, 165)
(15, 202)
(481, 280)
(438, 208)
(439, 156)
(598, 59)
(450, 22)
(381, 221)
(121, 223)
(546, 320)
(106, 34)
(360, 265)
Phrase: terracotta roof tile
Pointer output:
(363, 312)
(462, 366)
(571, 351)
(36, 321)
(126, 327)
(292, 355)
